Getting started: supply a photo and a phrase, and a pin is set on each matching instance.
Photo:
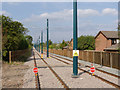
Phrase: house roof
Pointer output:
(109, 34)
(113, 47)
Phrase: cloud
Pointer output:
(109, 11)
(87, 12)
(65, 14)
(4, 13)
(61, 25)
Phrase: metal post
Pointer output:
(47, 40)
(42, 42)
(75, 58)
(35, 46)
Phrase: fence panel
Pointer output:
(20, 55)
(106, 59)
(97, 58)
(115, 60)
(90, 56)
(80, 55)
(103, 58)
(85, 55)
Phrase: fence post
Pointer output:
(82, 55)
(110, 60)
(9, 56)
(87, 56)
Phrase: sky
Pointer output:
(92, 18)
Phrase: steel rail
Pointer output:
(111, 83)
(95, 68)
(57, 76)
(37, 81)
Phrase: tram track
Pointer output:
(56, 75)
(89, 67)
(106, 81)
(37, 81)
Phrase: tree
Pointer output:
(23, 44)
(13, 35)
(29, 39)
(63, 44)
(86, 43)
(50, 42)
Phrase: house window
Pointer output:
(118, 40)
(114, 41)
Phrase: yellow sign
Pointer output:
(75, 52)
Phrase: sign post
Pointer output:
(92, 69)
(35, 70)
(75, 57)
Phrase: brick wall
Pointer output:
(101, 42)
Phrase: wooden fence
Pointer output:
(108, 59)
(19, 55)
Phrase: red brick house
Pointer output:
(107, 41)
(71, 45)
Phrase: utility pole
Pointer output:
(47, 39)
(42, 44)
(75, 58)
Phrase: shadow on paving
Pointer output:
(83, 72)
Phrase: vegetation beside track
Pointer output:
(14, 37)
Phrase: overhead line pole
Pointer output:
(75, 58)
(47, 38)
(42, 42)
